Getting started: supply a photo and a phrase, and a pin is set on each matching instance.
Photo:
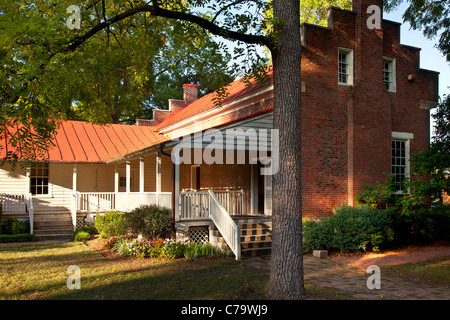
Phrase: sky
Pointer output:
(430, 57)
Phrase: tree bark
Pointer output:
(286, 278)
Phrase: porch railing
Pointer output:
(122, 201)
(13, 202)
(229, 230)
(18, 203)
(232, 201)
(194, 205)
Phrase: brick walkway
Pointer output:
(353, 281)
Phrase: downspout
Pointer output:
(161, 150)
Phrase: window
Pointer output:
(345, 66)
(400, 158)
(389, 74)
(195, 177)
(123, 182)
(39, 178)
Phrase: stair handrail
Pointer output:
(230, 231)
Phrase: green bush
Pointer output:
(25, 237)
(349, 229)
(89, 229)
(81, 236)
(424, 226)
(110, 224)
(152, 222)
(12, 226)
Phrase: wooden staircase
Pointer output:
(256, 236)
(53, 226)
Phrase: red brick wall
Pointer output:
(346, 132)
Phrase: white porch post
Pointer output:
(74, 196)
(27, 180)
(177, 191)
(116, 179)
(115, 205)
(141, 178)
(128, 182)
(158, 176)
(254, 189)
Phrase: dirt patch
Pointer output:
(98, 244)
(409, 254)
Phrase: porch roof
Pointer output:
(79, 141)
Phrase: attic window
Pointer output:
(345, 66)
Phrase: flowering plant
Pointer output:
(171, 249)
(109, 243)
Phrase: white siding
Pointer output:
(12, 181)
(60, 189)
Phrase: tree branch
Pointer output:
(156, 11)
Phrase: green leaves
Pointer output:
(430, 16)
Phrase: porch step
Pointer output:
(53, 226)
(256, 236)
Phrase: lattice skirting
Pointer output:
(84, 220)
(199, 234)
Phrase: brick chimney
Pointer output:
(190, 92)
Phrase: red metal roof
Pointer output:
(79, 141)
(235, 90)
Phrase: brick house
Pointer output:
(365, 107)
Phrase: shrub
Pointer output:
(110, 224)
(25, 237)
(349, 229)
(425, 226)
(13, 226)
(81, 236)
(89, 229)
(317, 235)
(152, 222)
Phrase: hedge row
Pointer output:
(364, 229)
(24, 237)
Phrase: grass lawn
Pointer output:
(39, 271)
(435, 271)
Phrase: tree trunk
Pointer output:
(286, 279)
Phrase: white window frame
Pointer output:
(349, 74)
(405, 137)
(392, 72)
(39, 167)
